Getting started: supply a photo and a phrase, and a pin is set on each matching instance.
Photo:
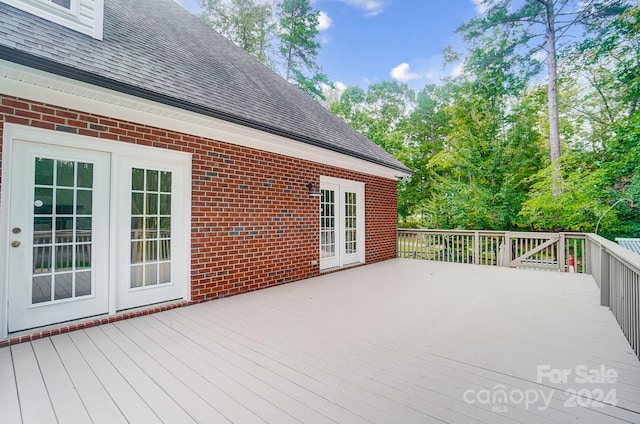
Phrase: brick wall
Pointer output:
(253, 222)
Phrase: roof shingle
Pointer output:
(155, 48)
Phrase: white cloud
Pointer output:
(457, 70)
(482, 5)
(333, 94)
(324, 39)
(428, 70)
(340, 86)
(371, 7)
(540, 55)
(403, 73)
(324, 21)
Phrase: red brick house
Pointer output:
(146, 159)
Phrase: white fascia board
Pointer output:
(28, 83)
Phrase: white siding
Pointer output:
(85, 16)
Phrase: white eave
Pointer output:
(31, 84)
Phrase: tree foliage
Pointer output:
(282, 38)
(539, 25)
(299, 47)
(247, 23)
(479, 143)
(487, 148)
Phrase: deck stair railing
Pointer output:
(615, 269)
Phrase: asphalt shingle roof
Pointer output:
(158, 50)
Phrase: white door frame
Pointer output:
(342, 186)
(117, 149)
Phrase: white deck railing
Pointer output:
(617, 273)
(615, 269)
(549, 251)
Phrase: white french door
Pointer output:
(151, 230)
(90, 232)
(342, 226)
(58, 260)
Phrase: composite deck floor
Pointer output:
(402, 341)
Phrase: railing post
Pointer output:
(476, 247)
(561, 253)
(509, 254)
(586, 266)
(605, 282)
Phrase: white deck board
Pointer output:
(9, 404)
(132, 406)
(154, 396)
(65, 400)
(294, 372)
(34, 399)
(429, 399)
(148, 356)
(203, 349)
(395, 342)
(261, 380)
(234, 402)
(397, 381)
(96, 399)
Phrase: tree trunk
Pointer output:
(552, 94)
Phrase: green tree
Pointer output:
(299, 47)
(247, 23)
(604, 169)
(425, 131)
(539, 25)
(491, 144)
(351, 107)
(382, 114)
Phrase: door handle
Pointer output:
(15, 243)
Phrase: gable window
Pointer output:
(63, 3)
(83, 16)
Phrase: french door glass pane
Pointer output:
(62, 230)
(150, 227)
(327, 224)
(350, 224)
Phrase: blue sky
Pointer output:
(367, 41)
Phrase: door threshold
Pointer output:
(79, 324)
(341, 268)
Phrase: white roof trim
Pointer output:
(21, 81)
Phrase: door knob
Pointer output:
(15, 243)
(16, 230)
